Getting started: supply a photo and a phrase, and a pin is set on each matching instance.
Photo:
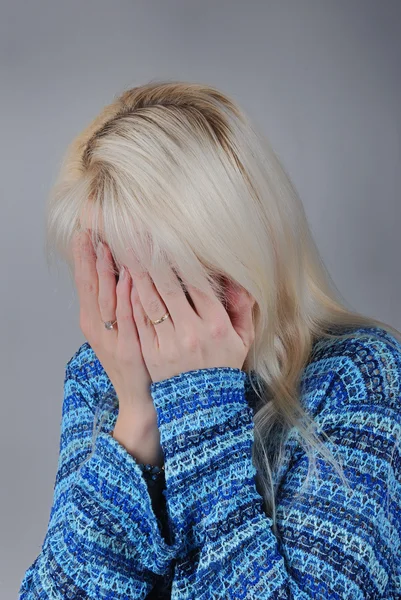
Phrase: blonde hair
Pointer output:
(177, 172)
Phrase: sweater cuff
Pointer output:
(207, 433)
(115, 482)
(198, 406)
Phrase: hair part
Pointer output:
(177, 173)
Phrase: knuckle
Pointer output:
(218, 329)
(106, 304)
(87, 286)
(191, 341)
(171, 290)
(155, 306)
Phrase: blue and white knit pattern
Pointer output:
(104, 541)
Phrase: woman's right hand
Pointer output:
(119, 351)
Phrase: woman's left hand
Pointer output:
(188, 340)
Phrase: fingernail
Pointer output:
(100, 250)
(122, 272)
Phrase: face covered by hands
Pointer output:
(199, 332)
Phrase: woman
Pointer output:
(219, 353)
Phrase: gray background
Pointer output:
(320, 77)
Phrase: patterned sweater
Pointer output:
(105, 542)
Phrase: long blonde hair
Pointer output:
(177, 172)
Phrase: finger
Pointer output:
(85, 275)
(107, 298)
(172, 294)
(127, 332)
(207, 304)
(146, 330)
(147, 304)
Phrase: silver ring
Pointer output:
(109, 324)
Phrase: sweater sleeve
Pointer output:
(103, 538)
(332, 543)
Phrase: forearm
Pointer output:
(103, 538)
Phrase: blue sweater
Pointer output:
(105, 542)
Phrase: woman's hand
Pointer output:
(188, 340)
(118, 349)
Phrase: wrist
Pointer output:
(140, 436)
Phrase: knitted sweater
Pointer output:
(105, 542)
